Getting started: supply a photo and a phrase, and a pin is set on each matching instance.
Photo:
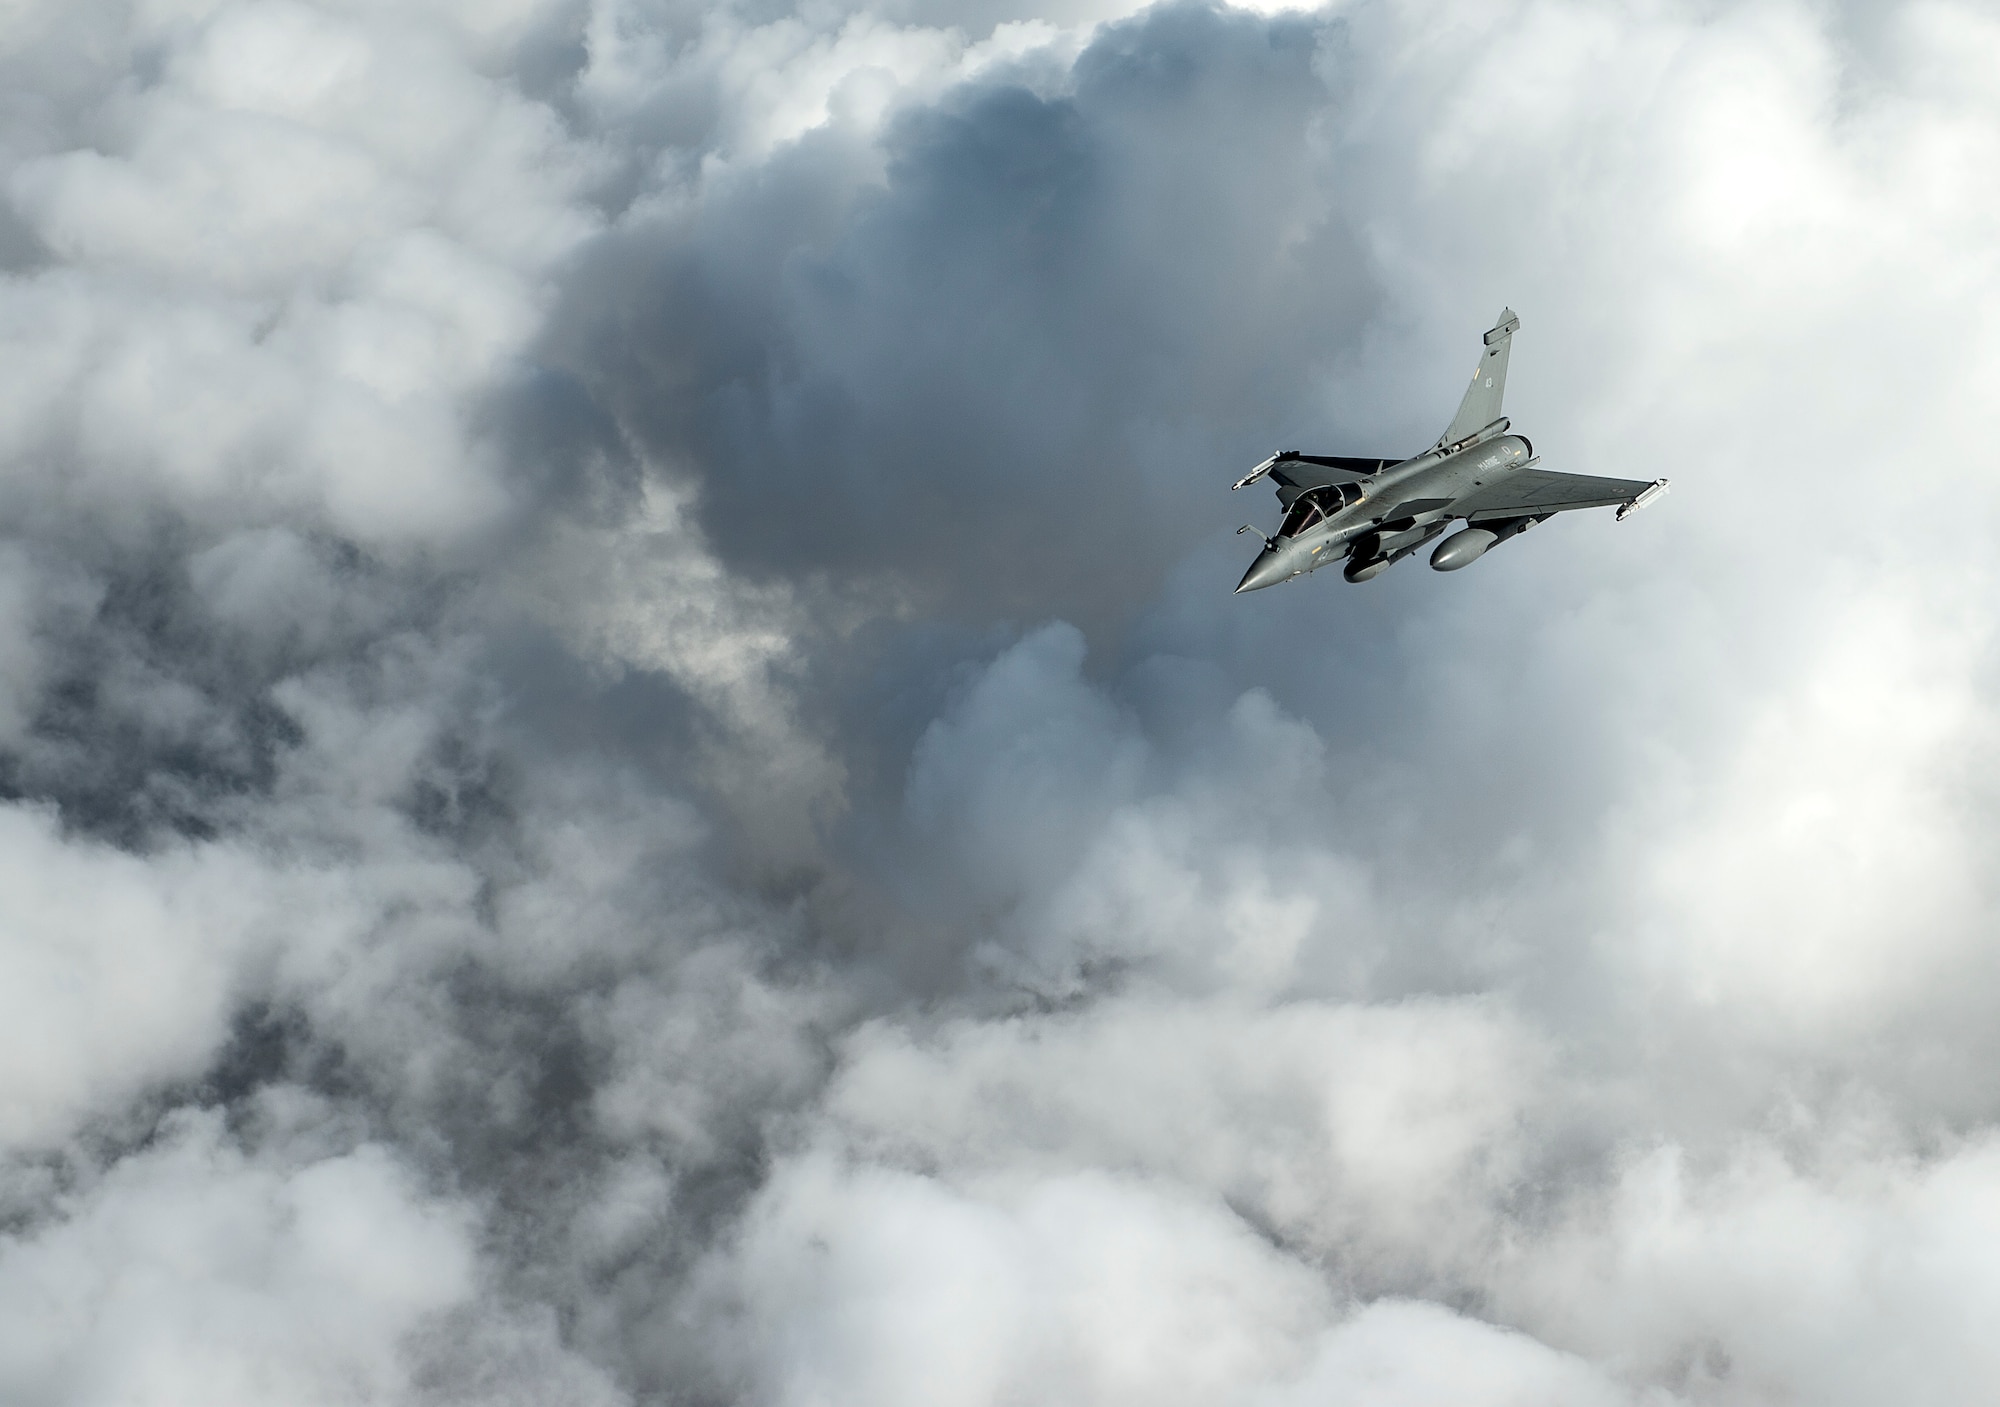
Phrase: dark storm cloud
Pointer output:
(1007, 373)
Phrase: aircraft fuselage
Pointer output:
(1404, 506)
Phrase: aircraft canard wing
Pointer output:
(1341, 464)
(1538, 492)
(1481, 406)
(1297, 473)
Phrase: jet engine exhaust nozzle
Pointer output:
(1462, 549)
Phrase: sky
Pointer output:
(629, 774)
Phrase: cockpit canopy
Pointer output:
(1317, 504)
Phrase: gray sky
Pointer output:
(628, 773)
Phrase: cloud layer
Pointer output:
(628, 775)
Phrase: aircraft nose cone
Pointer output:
(1263, 572)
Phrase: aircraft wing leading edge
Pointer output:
(1541, 491)
(1299, 472)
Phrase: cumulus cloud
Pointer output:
(191, 1269)
(627, 773)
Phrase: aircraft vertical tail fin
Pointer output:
(1481, 406)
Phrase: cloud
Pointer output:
(282, 270)
(877, 1286)
(1401, 1351)
(1370, 1136)
(627, 773)
(1013, 250)
(191, 1268)
(1844, 1280)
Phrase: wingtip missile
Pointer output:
(1262, 469)
(1646, 496)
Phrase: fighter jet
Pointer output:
(1372, 513)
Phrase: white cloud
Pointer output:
(1378, 1134)
(865, 1285)
(192, 1271)
(1829, 874)
(115, 971)
(1759, 1278)
(310, 244)
(1422, 1355)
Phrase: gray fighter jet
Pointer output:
(1372, 513)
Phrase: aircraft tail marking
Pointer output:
(1481, 406)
